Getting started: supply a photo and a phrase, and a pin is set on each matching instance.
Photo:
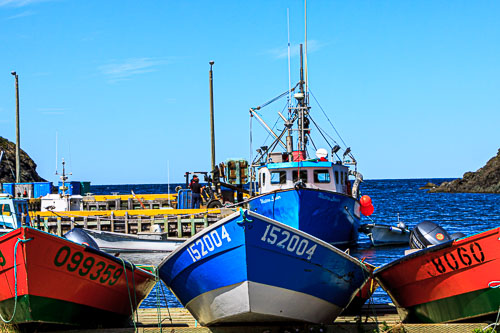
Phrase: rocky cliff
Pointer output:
(8, 165)
(484, 180)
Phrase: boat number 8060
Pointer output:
(285, 240)
(208, 243)
(460, 257)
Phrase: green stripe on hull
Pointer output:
(476, 304)
(42, 310)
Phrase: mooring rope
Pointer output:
(159, 284)
(494, 284)
(166, 302)
(128, 290)
(19, 240)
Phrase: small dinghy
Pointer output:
(116, 242)
(384, 235)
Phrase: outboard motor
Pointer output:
(427, 234)
(79, 236)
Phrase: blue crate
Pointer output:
(8, 188)
(184, 198)
(41, 189)
(74, 187)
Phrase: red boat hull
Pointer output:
(449, 282)
(60, 282)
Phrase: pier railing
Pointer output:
(177, 223)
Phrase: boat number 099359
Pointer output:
(295, 243)
(461, 258)
(207, 244)
(83, 265)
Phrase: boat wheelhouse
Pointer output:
(13, 212)
(319, 175)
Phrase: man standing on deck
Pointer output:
(196, 191)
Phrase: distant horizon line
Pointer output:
(424, 178)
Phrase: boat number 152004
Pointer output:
(285, 240)
(208, 243)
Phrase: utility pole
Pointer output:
(18, 134)
(212, 130)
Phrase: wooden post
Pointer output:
(205, 220)
(193, 226)
(99, 223)
(130, 203)
(59, 227)
(126, 222)
(46, 224)
(139, 224)
(112, 217)
(72, 223)
(85, 221)
(165, 223)
(179, 227)
(152, 223)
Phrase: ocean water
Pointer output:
(469, 213)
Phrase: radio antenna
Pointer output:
(305, 51)
(289, 75)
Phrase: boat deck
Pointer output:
(377, 318)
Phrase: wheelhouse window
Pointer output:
(5, 209)
(303, 176)
(321, 176)
(337, 177)
(278, 177)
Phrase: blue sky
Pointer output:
(412, 86)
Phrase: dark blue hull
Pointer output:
(329, 216)
(253, 269)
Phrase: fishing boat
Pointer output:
(51, 281)
(309, 192)
(250, 268)
(117, 242)
(451, 281)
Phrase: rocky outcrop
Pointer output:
(8, 165)
(484, 180)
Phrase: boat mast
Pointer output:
(301, 107)
(63, 178)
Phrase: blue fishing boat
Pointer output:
(317, 194)
(249, 268)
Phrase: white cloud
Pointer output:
(282, 52)
(123, 70)
(52, 111)
(20, 3)
(22, 14)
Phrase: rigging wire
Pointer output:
(274, 126)
(327, 117)
(321, 132)
(275, 99)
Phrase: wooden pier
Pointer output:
(172, 222)
(374, 318)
